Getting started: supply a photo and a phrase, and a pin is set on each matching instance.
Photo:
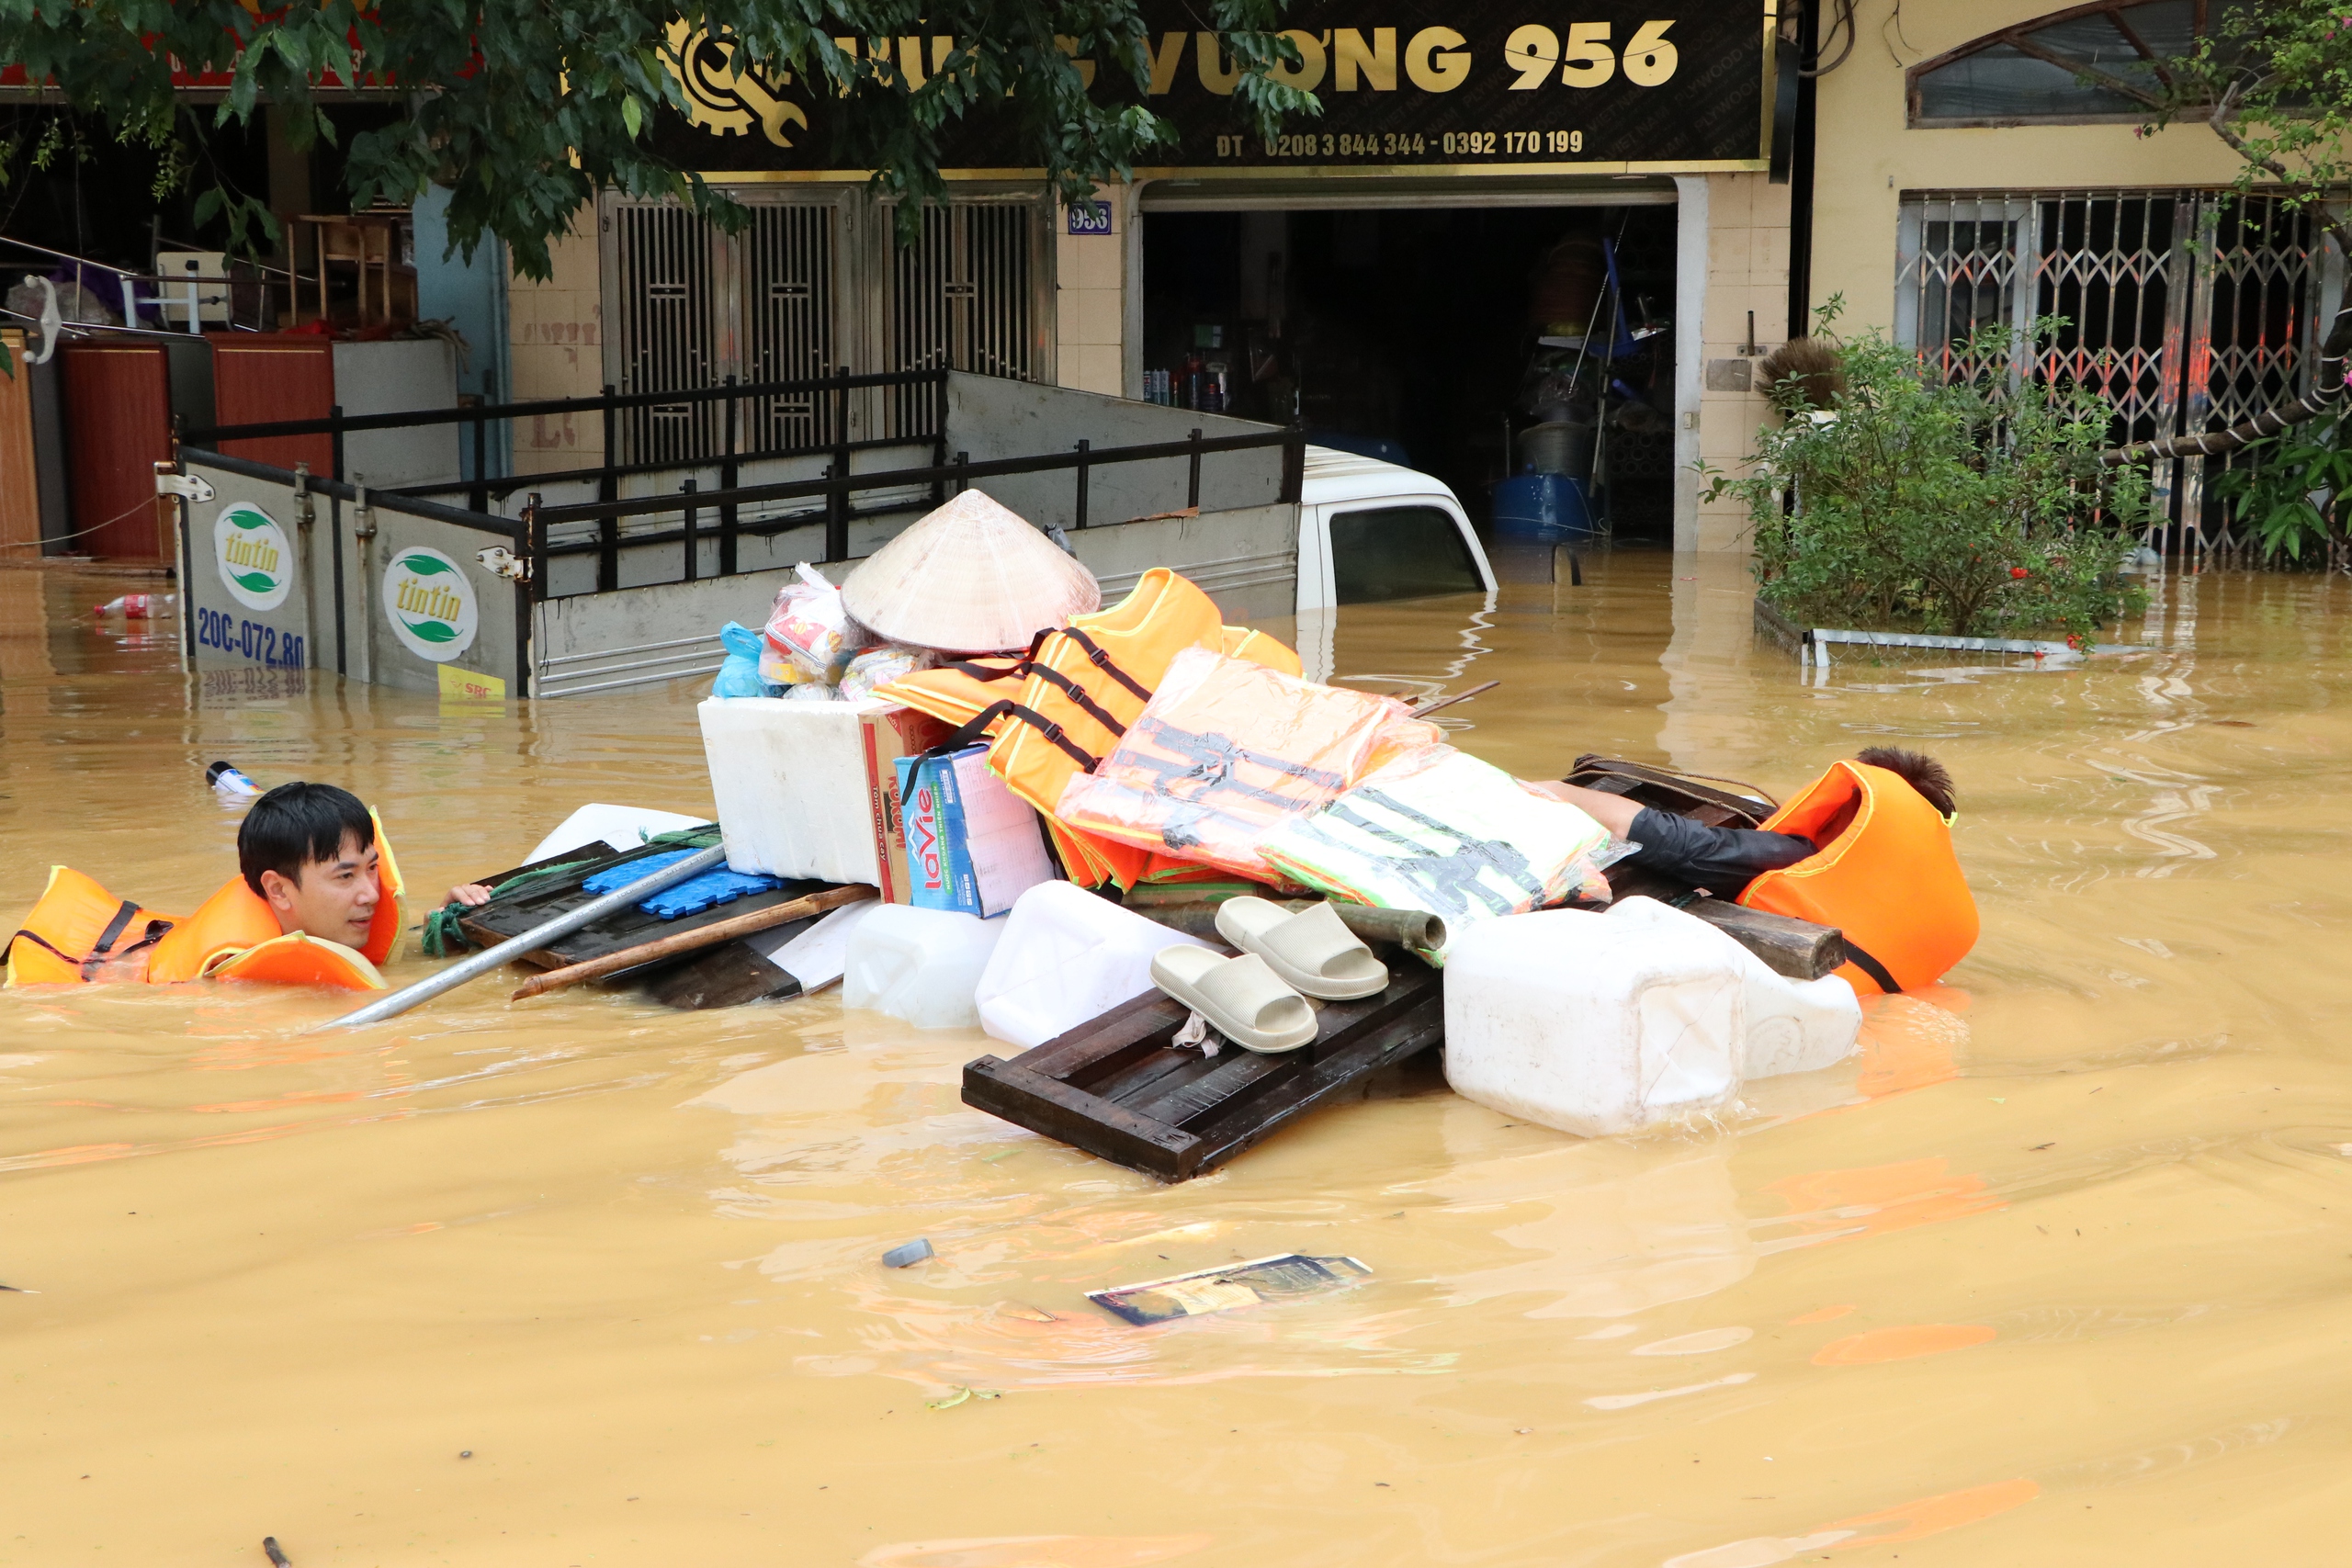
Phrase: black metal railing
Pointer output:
(839, 486)
(924, 392)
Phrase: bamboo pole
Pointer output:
(694, 941)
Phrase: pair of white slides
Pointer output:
(1257, 1000)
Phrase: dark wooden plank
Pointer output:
(1101, 1046)
(1076, 1118)
(1227, 1081)
(727, 975)
(1796, 948)
(1151, 1075)
(1383, 1046)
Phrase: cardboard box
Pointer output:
(810, 789)
(972, 846)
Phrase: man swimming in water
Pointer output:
(309, 852)
(1724, 861)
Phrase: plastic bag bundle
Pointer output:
(739, 675)
(1225, 751)
(1442, 832)
(810, 636)
(878, 667)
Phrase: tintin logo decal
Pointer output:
(255, 563)
(429, 604)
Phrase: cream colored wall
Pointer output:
(556, 333)
(1747, 269)
(1090, 301)
(1867, 158)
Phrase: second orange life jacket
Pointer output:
(1885, 874)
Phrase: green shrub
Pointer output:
(1970, 506)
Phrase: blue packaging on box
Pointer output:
(973, 846)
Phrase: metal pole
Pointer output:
(1083, 447)
(482, 962)
(727, 480)
(694, 546)
(1192, 484)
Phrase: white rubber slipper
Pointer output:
(1312, 951)
(1242, 998)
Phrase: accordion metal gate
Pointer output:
(815, 285)
(2190, 310)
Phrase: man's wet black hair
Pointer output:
(295, 824)
(1916, 769)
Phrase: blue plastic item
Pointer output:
(707, 891)
(740, 676)
(1541, 507)
(688, 898)
(620, 876)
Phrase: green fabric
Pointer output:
(441, 935)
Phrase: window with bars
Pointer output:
(2188, 310)
(2084, 64)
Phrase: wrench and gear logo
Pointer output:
(721, 101)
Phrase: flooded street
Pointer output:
(2054, 1273)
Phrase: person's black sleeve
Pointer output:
(1724, 861)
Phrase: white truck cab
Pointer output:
(1370, 531)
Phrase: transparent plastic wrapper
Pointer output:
(878, 667)
(739, 675)
(1225, 751)
(810, 636)
(1442, 832)
(813, 692)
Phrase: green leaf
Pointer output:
(433, 631)
(248, 519)
(633, 115)
(256, 581)
(426, 566)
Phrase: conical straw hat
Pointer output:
(970, 578)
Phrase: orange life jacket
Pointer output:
(79, 931)
(1058, 709)
(1888, 878)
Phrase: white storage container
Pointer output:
(1594, 1023)
(922, 965)
(810, 789)
(1067, 956)
(1794, 1026)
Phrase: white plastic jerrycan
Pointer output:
(1594, 1023)
(922, 965)
(1794, 1026)
(1067, 956)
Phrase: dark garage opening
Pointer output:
(1414, 334)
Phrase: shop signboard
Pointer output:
(1407, 87)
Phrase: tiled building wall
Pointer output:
(1089, 302)
(1747, 269)
(556, 331)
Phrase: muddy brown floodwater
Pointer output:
(2059, 1271)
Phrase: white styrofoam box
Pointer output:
(1066, 957)
(1794, 1026)
(922, 965)
(810, 789)
(1593, 1023)
(615, 825)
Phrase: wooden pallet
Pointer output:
(1120, 1087)
(728, 981)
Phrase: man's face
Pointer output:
(335, 899)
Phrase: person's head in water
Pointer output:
(308, 850)
(1918, 769)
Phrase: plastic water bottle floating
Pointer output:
(140, 606)
(229, 782)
